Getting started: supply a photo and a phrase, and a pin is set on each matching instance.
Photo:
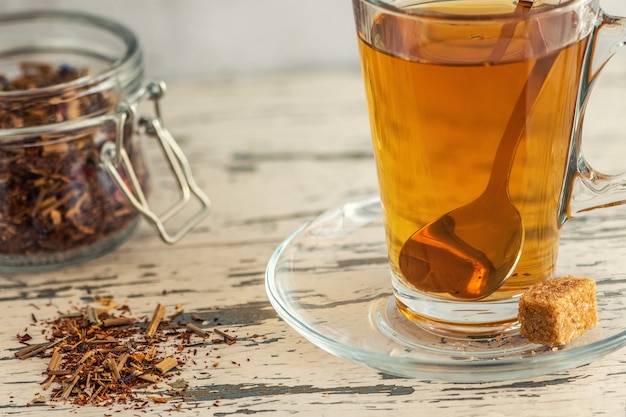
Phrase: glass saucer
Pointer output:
(330, 281)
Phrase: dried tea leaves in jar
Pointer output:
(58, 204)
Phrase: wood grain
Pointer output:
(272, 152)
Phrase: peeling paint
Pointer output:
(249, 314)
(520, 385)
(238, 391)
(245, 411)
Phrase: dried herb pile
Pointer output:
(55, 197)
(103, 355)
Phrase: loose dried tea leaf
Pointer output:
(121, 321)
(22, 108)
(158, 315)
(166, 365)
(227, 337)
(149, 377)
(197, 330)
(161, 400)
(90, 363)
(35, 75)
(55, 361)
(24, 337)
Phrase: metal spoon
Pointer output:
(469, 252)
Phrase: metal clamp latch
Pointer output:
(113, 155)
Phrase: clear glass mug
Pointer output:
(476, 110)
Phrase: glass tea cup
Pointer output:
(476, 110)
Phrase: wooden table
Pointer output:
(272, 152)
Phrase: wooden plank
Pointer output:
(272, 152)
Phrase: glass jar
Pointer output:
(73, 176)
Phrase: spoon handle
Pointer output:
(503, 160)
(507, 32)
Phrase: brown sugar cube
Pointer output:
(558, 310)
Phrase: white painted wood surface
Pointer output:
(273, 152)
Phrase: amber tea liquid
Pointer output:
(439, 99)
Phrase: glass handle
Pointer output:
(113, 156)
(591, 189)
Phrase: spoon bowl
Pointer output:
(468, 253)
